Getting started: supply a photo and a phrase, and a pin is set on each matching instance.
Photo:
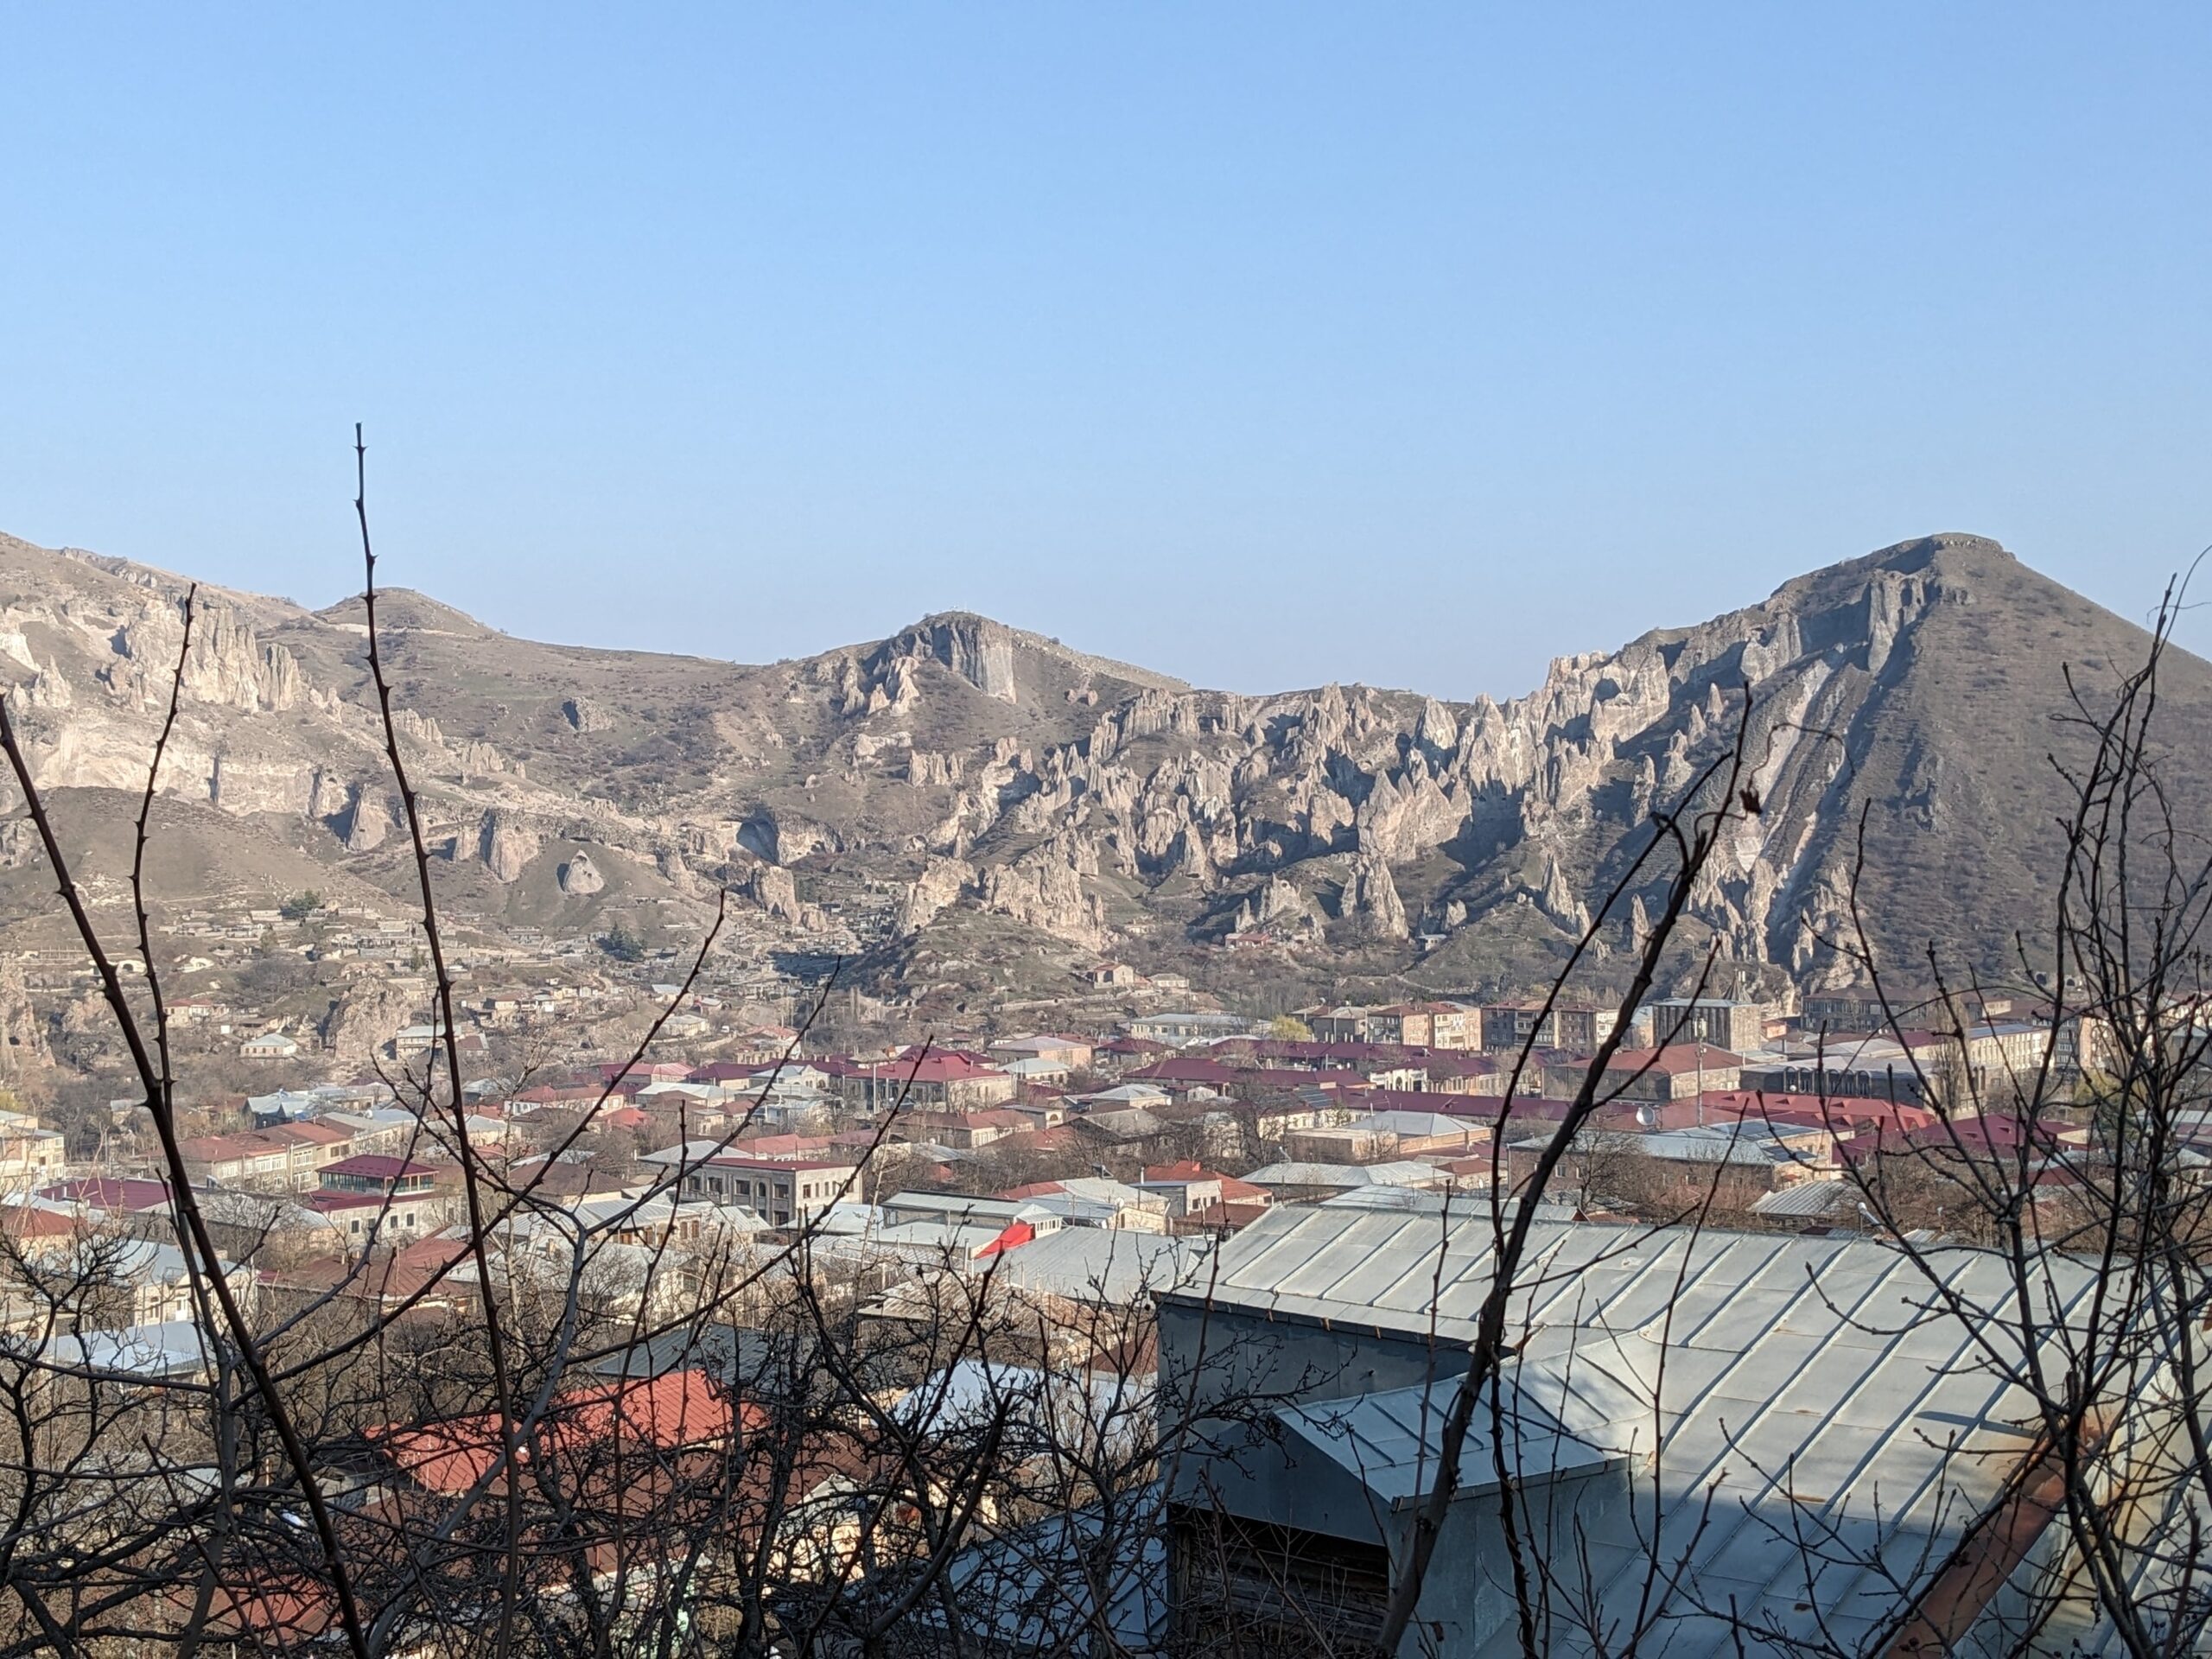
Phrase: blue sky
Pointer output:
(1263, 344)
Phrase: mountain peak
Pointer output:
(404, 610)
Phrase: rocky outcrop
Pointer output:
(925, 769)
(19, 843)
(974, 648)
(507, 844)
(580, 877)
(239, 785)
(1371, 906)
(23, 1047)
(941, 883)
(776, 892)
(1044, 890)
(363, 1020)
(369, 822)
(784, 837)
(478, 757)
(227, 663)
(1279, 907)
(1903, 688)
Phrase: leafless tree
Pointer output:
(642, 1425)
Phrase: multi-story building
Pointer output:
(785, 1192)
(1725, 1022)
(28, 1153)
(1571, 1028)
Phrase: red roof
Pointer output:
(128, 1195)
(285, 1611)
(1190, 1169)
(1675, 1057)
(321, 1134)
(1995, 1136)
(1018, 1232)
(1839, 1111)
(662, 1413)
(222, 1148)
(1227, 1079)
(30, 1221)
(950, 1065)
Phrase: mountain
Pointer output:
(976, 809)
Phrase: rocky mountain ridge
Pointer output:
(962, 780)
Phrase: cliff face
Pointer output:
(974, 771)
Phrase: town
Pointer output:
(1105, 832)
(990, 1209)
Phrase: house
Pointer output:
(1679, 1071)
(374, 1194)
(1112, 976)
(1767, 1410)
(965, 1210)
(379, 1128)
(1192, 1026)
(282, 1106)
(116, 1199)
(950, 1078)
(252, 1158)
(1420, 1025)
(1339, 1025)
(1372, 1136)
(1094, 1201)
(1043, 1110)
(1725, 1022)
(28, 1153)
(1070, 1054)
(1191, 1189)
(38, 1231)
(269, 1046)
(681, 1410)
(783, 1192)
(964, 1131)
(100, 1283)
(1147, 1096)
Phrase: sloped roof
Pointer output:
(662, 1413)
(1813, 1388)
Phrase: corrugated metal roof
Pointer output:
(1812, 1200)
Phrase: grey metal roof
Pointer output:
(1812, 1200)
(1396, 1173)
(1812, 1388)
(1387, 1440)
(1103, 1266)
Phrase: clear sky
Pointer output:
(1263, 344)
